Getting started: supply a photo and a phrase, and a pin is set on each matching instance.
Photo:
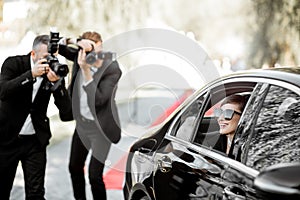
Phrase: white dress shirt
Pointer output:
(84, 107)
(27, 128)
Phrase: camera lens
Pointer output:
(60, 69)
(91, 58)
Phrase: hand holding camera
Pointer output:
(82, 60)
(51, 75)
(86, 67)
(86, 44)
(93, 56)
(40, 68)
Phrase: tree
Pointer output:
(276, 33)
(272, 38)
(72, 17)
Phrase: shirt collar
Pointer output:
(31, 62)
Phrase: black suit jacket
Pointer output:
(101, 95)
(16, 86)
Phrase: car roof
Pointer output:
(286, 74)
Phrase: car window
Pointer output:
(208, 132)
(276, 131)
(208, 129)
(187, 121)
(198, 124)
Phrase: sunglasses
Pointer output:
(227, 113)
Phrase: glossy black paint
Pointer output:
(280, 180)
(177, 159)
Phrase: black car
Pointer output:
(177, 160)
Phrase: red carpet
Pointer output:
(114, 177)
(169, 110)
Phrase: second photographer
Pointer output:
(95, 76)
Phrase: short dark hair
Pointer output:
(40, 39)
(241, 100)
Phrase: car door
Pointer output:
(189, 168)
(267, 135)
(235, 179)
(173, 177)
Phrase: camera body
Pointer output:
(103, 55)
(60, 69)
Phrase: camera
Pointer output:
(103, 55)
(60, 69)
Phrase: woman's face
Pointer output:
(228, 126)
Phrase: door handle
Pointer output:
(165, 164)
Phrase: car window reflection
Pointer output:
(187, 121)
(276, 138)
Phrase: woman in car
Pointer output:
(228, 115)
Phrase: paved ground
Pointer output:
(58, 184)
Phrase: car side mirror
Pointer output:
(281, 181)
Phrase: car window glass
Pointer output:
(208, 130)
(244, 130)
(187, 120)
(276, 132)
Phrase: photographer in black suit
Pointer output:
(24, 125)
(93, 86)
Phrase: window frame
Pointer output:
(232, 86)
